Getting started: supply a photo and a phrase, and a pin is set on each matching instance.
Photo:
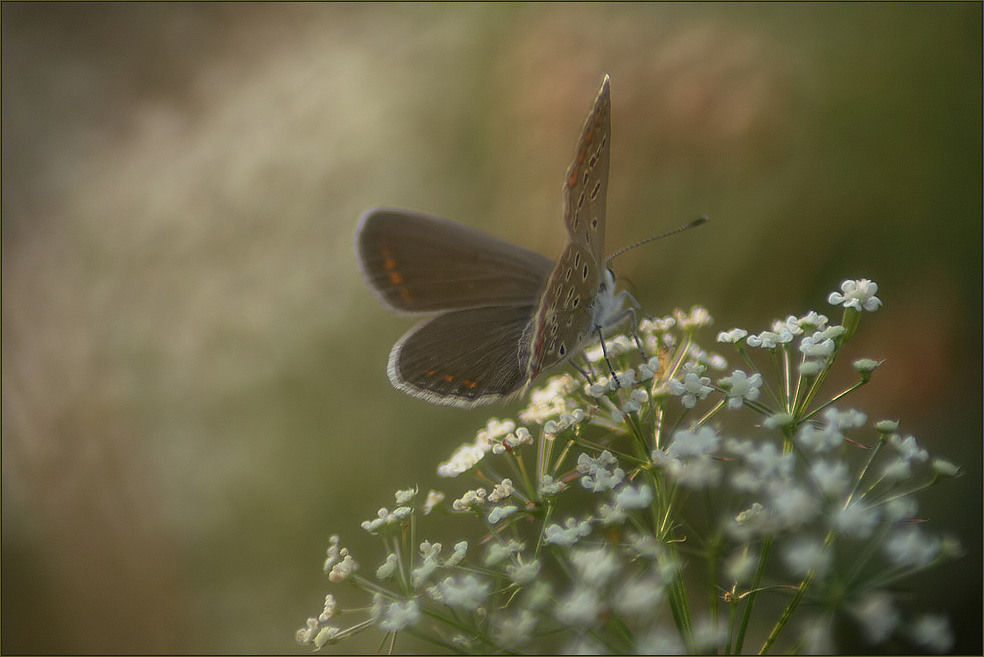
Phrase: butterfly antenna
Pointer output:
(696, 222)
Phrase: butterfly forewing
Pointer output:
(417, 263)
(565, 315)
(464, 357)
(586, 185)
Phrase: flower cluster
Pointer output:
(655, 511)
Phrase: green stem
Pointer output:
(750, 604)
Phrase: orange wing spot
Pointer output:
(468, 383)
(448, 377)
(389, 264)
(430, 372)
(407, 295)
(396, 278)
(573, 179)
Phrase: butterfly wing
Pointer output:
(586, 185)
(565, 314)
(418, 263)
(463, 358)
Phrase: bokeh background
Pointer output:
(194, 388)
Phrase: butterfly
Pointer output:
(504, 313)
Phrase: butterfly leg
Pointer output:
(634, 307)
(583, 372)
(604, 351)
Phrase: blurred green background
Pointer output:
(194, 387)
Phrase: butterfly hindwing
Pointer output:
(463, 357)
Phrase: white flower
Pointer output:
(933, 632)
(326, 635)
(908, 547)
(806, 554)
(498, 551)
(637, 398)
(595, 566)
(548, 401)
(550, 487)
(709, 635)
(644, 545)
(466, 593)
(569, 534)
(333, 553)
(740, 567)
(817, 635)
(405, 496)
(768, 462)
(691, 443)
(306, 633)
(841, 420)
(648, 370)
(460, 549)
(502, 490)
(900, 508)
(430, 563)
(734, 336)
(629, 497)
(817, 345)
(471, 500)
(697, 473)
(464, 459)
(660, 641)
(780, 419)
(328, 610)
(866, 365)
(813, 320)
(897, 470)
(908, 448)
(810, 368)
(344, 568)
(793, 506)
(753, 521)
(500, 513)
(887, 426)
(520, 437)
(610, 514)
(877, 616)
(697, 318)
(856, 294)
(515, 630)
(398, 615)
(740, 387)
(433, 499)
(770, 339)
(388, 568)
(831, 477)
(945, 469)
(580, 608)
(856, 520)
(819, 441)
(601, 473)
(692, 389)
(523, 572)
(639, 597)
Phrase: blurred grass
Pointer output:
(194, 389)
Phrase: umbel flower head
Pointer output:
(672, 507)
